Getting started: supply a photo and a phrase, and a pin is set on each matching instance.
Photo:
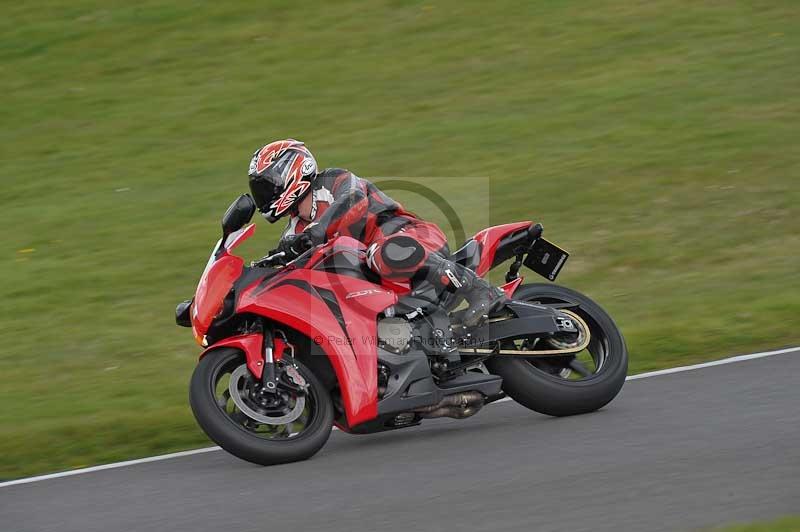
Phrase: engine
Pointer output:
(394, 335)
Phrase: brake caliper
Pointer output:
(293, 374)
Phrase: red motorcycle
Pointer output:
(292, 349)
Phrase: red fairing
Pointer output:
(339, 313)
(490, 238)
(238, 237)
(215, 284)
(510, 288)
(400, 288)
(250, 344)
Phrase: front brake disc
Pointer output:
(236, 395)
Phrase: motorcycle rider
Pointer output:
(285, 180)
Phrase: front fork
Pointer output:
(273, 352)
(268, 375)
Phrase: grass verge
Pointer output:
(786, 524)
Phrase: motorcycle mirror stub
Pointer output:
(182, 313)
(238, 214)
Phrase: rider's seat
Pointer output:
(468, 255)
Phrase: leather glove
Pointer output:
(315, 233)
(295, 245)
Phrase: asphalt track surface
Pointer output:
(673, 452)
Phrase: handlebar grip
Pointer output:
(263, 261)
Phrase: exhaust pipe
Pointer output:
(457, 406)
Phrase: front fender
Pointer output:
(250, 344)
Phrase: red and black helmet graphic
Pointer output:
(281, 174)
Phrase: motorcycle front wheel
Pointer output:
(234, 410)
(570, 384)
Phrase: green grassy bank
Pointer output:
(657, 141)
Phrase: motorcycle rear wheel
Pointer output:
(245, 437)
(547, 384)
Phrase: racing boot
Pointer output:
(482, 298)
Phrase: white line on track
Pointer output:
(158, 458)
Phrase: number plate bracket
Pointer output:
(546, 259)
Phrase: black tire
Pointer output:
(235, 438)
(548, 393)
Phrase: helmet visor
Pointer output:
(265, 190)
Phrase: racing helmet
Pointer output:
(281, 174)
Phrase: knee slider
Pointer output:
(402, 253)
